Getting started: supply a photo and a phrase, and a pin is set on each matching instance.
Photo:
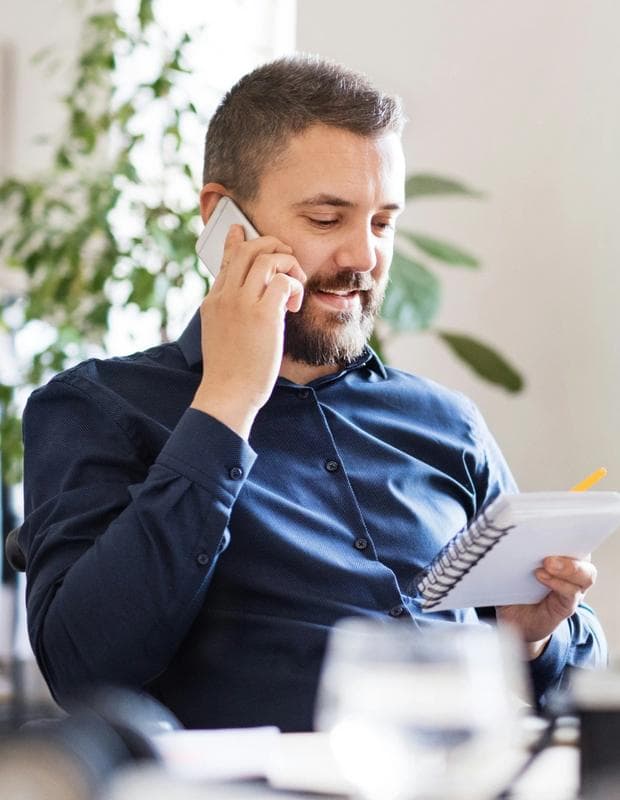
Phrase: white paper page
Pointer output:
(505, 574)
(301, 762)
(218, 755)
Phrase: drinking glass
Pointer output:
(418, 714)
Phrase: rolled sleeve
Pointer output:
(579, 641)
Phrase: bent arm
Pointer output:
(120, 552)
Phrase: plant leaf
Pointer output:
(423, 184)
(145, 13)
(412, 297)
(142, 288)
(442, 251)
(484, 360)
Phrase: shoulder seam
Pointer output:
(135, 448)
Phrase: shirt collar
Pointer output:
(189, 344)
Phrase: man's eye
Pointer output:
(322, 223)
(384, 225)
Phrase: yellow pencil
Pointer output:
(588, 482)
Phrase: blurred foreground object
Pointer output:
(435, 708)
(73, 758)
(596, 698)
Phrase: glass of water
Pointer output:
(418, 714)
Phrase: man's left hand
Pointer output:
(568, 579)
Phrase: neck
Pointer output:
(300, 373)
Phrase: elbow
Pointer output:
(65, 672)
(73, 662)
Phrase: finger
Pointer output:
(577, 571)
(234, 237)
(283, 293)
(266, 266)
(570, 593)
(242, 254)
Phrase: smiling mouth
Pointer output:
(341, 300)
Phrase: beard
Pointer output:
(318, 337)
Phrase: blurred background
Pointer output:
(515, 103)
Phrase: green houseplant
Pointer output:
(414, 293)
(61, 228)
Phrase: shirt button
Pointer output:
(235, 473)
(304, 394)
(331, 465)
(203, 559)
(396, 611)
(361, 544)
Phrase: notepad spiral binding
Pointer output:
(458, 557)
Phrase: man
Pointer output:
(200, 515)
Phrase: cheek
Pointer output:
(384, 260)
(318, 255)
(313, 256)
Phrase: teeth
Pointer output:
(340, 294)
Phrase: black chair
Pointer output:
(108, 728)
(14, 554)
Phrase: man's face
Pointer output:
(334, 196)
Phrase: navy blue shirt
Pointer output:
(164, 551)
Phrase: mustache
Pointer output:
(343, 281)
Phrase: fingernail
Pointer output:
(556, 564)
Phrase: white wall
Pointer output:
(26, 29)
(29, 93)
(523, 101)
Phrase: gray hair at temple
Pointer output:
(256, 118)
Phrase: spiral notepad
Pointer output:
(491, 563)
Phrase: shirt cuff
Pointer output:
(209, 453)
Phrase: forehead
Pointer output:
(334, 161)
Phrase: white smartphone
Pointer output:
(210, 244)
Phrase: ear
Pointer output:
(210, 194)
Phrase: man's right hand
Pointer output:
(242, 322)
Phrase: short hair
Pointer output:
(256, 118)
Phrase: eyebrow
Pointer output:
(340, 202)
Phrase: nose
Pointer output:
(357, 251)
